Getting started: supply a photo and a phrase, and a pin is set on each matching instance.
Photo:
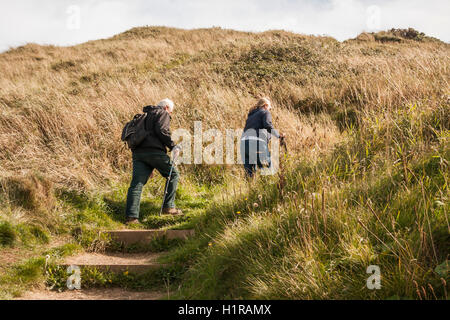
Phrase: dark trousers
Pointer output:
(143, 166)
(255, 154)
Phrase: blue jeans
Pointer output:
(143, 166)
(255, 154)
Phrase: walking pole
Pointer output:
(167, 186)
(282, 181)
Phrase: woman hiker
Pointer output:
(256, 136)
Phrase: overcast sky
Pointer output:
(67, 22)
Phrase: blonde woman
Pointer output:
(255, 139)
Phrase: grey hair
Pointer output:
(166, 103)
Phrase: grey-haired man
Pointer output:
(151, 154)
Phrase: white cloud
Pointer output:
(45, 21)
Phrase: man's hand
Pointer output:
(176, 152)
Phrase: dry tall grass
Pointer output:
(367, 122)
(62, 109)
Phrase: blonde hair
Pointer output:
(261, 103)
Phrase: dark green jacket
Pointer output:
(158, 126)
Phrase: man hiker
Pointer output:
(152, 154)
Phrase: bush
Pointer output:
(7, 234)
(313, 105)
(63, 65)
(32, 192)
(31, 270)
(348, 118)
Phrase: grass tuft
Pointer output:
(7, 234)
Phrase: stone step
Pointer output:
(116, 262)
(131, 237)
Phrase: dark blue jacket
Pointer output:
(260, 120)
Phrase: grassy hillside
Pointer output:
(365, 181)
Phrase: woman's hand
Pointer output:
(283, 140)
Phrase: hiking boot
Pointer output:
(172, 211)
(132, 221)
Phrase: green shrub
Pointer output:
(30, 270)
(348, 118)
(65, 250)
(7, 234)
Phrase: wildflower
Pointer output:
(210, 244)
(238, 212)
(125, 273)
(255, 205)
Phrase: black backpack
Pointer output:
(135, 131)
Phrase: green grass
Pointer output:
(93, 278)
(380, 196)
(309, 232)
(312, 231)
(84, 216)
(7, 234)
(22, 235)
(21, 277)
(66, 250)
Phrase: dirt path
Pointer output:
(112, 259)
(10, 256)
(115, 262)
(92, 294)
